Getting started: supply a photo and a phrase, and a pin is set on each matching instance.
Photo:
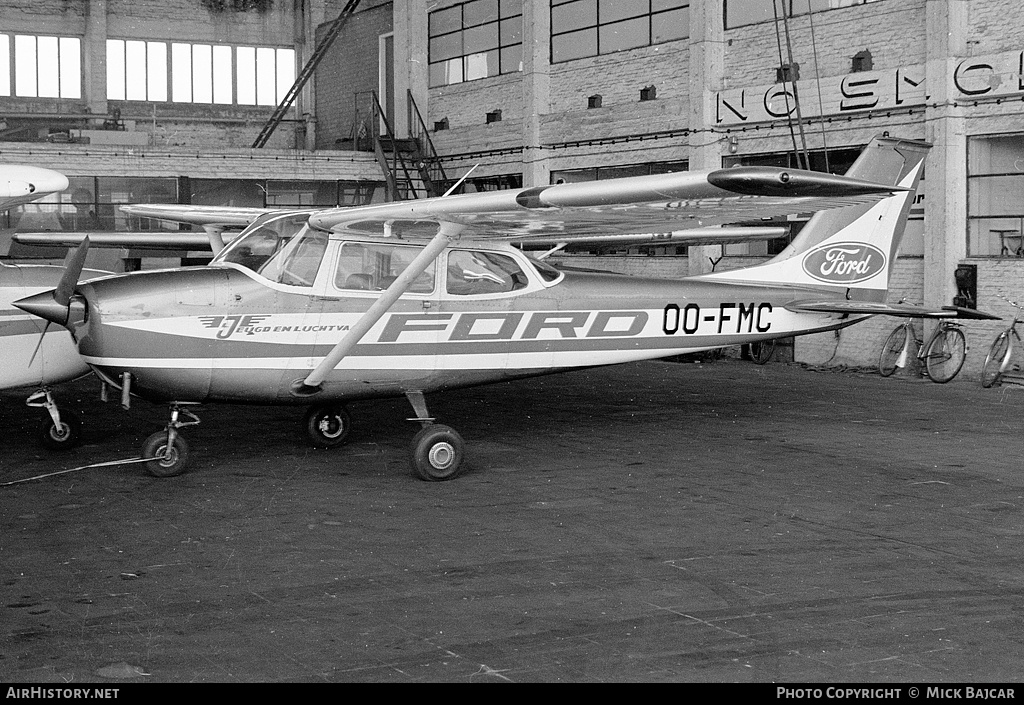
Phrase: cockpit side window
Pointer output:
(374, 267)
(283, 249)
(297, 263)
(472, 273)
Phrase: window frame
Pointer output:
(456, 66)
(580, 32)
(790, 4)
(65, 72)
(975, 220)
(203, 73)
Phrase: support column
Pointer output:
(536, 89)
(707, 71)
(95, 58)
(945, 226)
(411, 71)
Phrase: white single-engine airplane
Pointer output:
(414, 297)
(36, 353)
(33, 353)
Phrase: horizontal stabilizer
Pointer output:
(883, 309)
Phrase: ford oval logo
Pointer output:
(844, 262)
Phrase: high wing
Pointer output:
(150, 240)
(622, 210)
(214, 220)
(226, 216)
(884, 309)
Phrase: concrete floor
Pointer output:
(716, 522)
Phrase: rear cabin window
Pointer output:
(472, 273)
(372, 267)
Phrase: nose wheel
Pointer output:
(62, 429)
(167, 448)
(327, 425)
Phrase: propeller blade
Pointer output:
(56, 305)
(72, 273)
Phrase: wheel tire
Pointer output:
(995, 361)
(155, 447)
(945, 355)
(762, 351)
(891, 351)
(437, 453)
(328, 425)
(65, 437)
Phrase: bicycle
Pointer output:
(941, 356)
(997, 362)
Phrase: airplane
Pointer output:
(414, 297)
(33, 352)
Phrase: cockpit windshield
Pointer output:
(282, 249)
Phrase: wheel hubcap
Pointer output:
(167, 457)
(331, 426)
(441, 455)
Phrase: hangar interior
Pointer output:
(310, 102)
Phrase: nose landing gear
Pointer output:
(167, 448)
(61, 430)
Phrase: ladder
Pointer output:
(307, 72)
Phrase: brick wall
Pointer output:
(995, 25)
(892, 30)
(345, 77)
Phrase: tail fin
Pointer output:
(853, 247)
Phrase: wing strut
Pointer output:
(312, 383)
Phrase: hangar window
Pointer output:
(92, 203)
(597, 173)
(40, 67)
(995, 181)
(198, 73)
(743, 12)
(582, 28)
(474, 40)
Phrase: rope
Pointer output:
(129, 461)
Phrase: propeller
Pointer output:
(55, 306)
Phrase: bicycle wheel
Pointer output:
(945, 354)
(995, 361)
(891, 351)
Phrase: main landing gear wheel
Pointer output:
(437, 453)
(328, 425)
(62, 436)
(167, 462)
(761, 351)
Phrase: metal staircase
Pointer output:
(307, 72)
(411, 165)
